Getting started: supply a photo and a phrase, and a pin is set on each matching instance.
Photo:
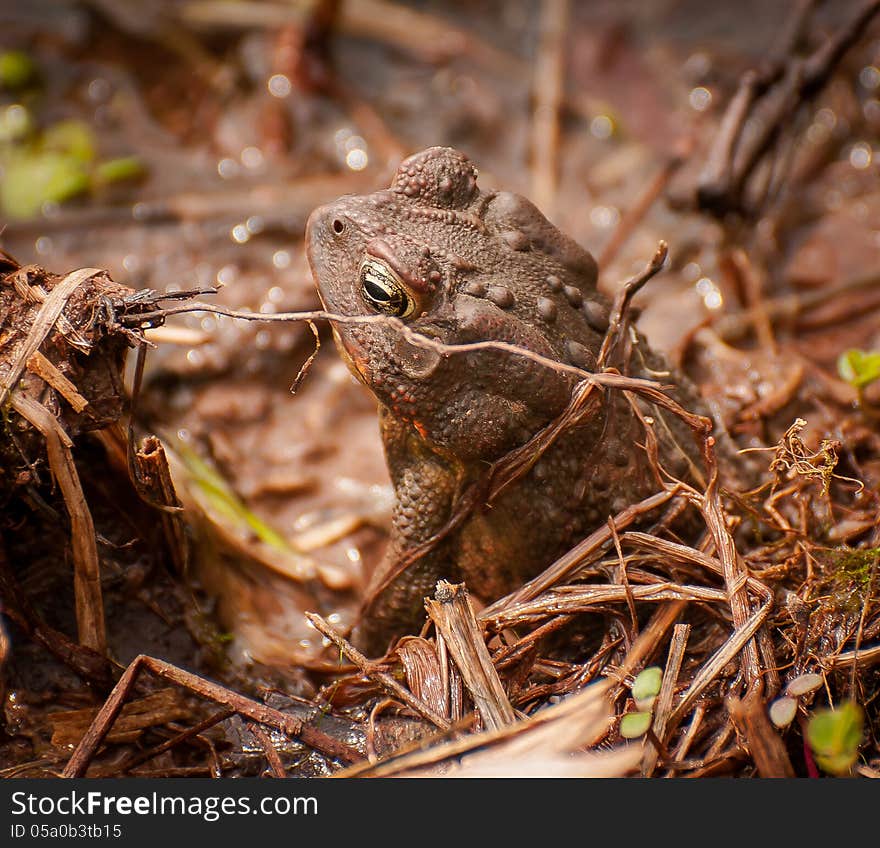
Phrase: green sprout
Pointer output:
(645, 689)
(859, 368)
(218, 493)
(835, 736)
(634, 725)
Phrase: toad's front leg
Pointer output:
(427, 487)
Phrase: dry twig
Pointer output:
(453, 616)
(289, 724)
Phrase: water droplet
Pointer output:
(869, 77)
(239, 234)
(227, 168)
(700, 98)
(601, 127)
(711, 294)
(860, 155)
(281, 259)
(356, 159)
(279, 85)
(713, 300)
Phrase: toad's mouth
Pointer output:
(348, 350)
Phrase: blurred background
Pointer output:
(182, 145)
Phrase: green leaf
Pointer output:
(835, 736)
(859, 367)
(218, 493)
(633, 725)
(75, 138)
(30, 180)
(117, 170)
(647, 683)
(17, 69)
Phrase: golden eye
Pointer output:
(383, 290)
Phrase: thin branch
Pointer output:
(663, 705)
(289, 724)
(548, 86)
(624, 298)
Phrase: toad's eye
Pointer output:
(384, 291)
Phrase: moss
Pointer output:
(853, 565)
(848, 576)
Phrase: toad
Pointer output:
(460, 265)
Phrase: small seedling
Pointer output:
(835, 735)
(859, 368)
(633, 725)
(645, 689)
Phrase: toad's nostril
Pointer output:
(338, 226)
